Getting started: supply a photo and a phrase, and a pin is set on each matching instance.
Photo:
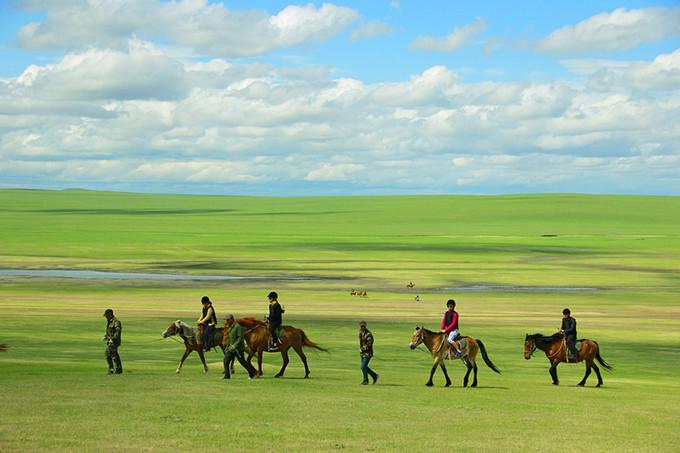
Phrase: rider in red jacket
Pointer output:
(450, 325)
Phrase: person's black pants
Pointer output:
(228, 355)
(571, 344)
(274, 331)
(113, 359)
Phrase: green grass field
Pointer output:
(614, 260)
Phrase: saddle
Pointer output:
(451, 351)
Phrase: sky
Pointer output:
(346, 98)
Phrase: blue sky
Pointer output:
(379, 97)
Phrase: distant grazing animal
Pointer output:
(257, 342)
(410, 285)
(555, 349)
(358, 293)
(188, 334)
(438, 345)
(4, 347)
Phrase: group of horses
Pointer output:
(357, 292)
(257, 342)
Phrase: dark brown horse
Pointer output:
(438, 345)
(257, 342)
(555, 349)
(191, 343)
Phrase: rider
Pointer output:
(275, 318)
(568, 329)
(207, 321)
(450, 326)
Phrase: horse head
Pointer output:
(175, 328)
(416, 337)
(529, 346)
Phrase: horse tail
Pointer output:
(600, 359)
(486, 358)
(307, 342)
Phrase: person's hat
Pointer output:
(205, 300)
(362, 323)
(229, 317)
(273, 295)
(108, 311)
(450, 302)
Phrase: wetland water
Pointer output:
(102, 275)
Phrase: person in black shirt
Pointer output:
(275, 318)
(568, 329)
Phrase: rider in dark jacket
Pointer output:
(568, 329)
(275, 317)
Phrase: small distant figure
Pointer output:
(207, 322)
(417, 298)
(410, 285)
(274, 320)
(366, 352)
(4, 347)
(450, 326)
(235, 347)
(114, 330)
(568, 329)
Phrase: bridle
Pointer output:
(533, 346)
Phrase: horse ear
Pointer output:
(417, 327)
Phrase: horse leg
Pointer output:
(284, 356)
(181, 361)
(553, 373)
(205, 365)
(599, 376)
(259, 364)
(474, 368)
(434, 368)
(583, 381)
(446, 375)
(303, 357)
(469, 368)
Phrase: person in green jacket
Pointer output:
(235, 347)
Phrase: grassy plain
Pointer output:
(615, 261)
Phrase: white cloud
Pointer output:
(457, 39)
(371, 30)
(334, 172)
(618, 30)
(195, 24)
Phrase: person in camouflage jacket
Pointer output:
(112, 338)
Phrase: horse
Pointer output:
(555, 349)
(358, 293)
(257, 342)
(189, 335)
(438, 345)
(410, 285)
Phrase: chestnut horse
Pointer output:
(257, 342)
(438, 345)
(189, 335)
(555, 349)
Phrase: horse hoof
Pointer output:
(474, 385)
(555, 383)
(598, 385)
(277, 376)
(448, 384)
(580, 385)
(429, 384)
(176, 371)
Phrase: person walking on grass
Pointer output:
(366, 352)
(235, 347)
(206, 322)
(112, 339)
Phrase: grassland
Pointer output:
(615, 261)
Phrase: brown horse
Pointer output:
(438, 345)
(257, 341)
(555, 349)
(189, 335)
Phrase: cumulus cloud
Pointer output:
(96, 117)
(457, 39)
(618, 30)
(205, 27)
(371, 30)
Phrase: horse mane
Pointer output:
(428, 331)
(249, 322)
(545, 339)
